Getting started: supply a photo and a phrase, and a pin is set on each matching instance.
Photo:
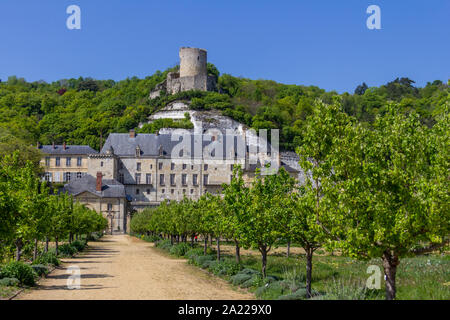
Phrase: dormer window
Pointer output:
(138, 151)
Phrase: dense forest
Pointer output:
(85, 111)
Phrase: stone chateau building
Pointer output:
(134, 171)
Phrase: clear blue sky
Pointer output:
(321, 42)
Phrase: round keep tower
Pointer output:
(192, 62)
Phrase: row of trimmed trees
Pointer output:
(371, 192)
(30, 213)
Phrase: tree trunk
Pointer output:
(171, 239)
(35, 251)
(288, 250)
(192, 240)
(210, 240)
(56, 245)
(46, 244)
(390, 263)
(238, 251)
(70, 237)
(206, 245)
(218, 248)
(19, 245)
(263, 251)
(309, 256)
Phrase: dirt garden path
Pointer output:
(123, 267)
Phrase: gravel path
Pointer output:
(123, 267)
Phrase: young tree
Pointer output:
(322, 132)
(236, 202)
(206, 219)
(7, 208)
(60, 219)
(262, 225)
(216, 207)
(20, 185)
(389, 190)
(302, 227)
(40, 215)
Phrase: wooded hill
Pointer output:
(84, 110)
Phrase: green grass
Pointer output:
(422, 277)
(338, 277)
(6, 291)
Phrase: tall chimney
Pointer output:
(38, 144)
(132, 133)
(99, 181)
(53, 145)
(64, 145)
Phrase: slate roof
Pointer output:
(254, 166)
(288, 168)
(70, 149)
(111, 188)
(149, 144)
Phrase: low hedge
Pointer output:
(193, 252)
(79, 244)
(225, 267)
(151, 238)
(163, 244)
(180, 249)
(240, 278)
(94, 236)
(300, 294)
(203, 261)
(67, 249)
(19, 270)
(47, 258)
(40, 270)
(9, 282)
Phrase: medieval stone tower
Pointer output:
(193, 74)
